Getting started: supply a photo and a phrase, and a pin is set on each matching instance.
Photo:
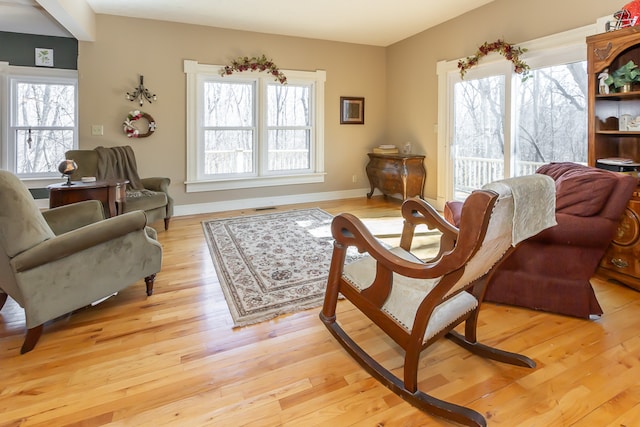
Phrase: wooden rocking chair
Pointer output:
(415, 302)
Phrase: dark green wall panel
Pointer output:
(20, 49)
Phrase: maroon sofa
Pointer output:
(551, 270)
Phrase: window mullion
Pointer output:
(262, 135)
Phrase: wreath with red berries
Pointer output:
(130, 128)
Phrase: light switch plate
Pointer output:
(97, 130)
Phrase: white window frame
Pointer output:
(562, 48)
(9, 74)
(196, 74)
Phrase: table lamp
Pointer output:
(67, 167)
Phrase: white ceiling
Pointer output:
(27, 16)
(371, 22)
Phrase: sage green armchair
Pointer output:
(150, 195)
(63, 259)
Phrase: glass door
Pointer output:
(478, 144)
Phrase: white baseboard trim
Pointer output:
(265, 202)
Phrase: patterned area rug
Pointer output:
(271, 264)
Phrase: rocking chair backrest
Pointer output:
(508, 225)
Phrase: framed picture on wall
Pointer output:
(351, 110)
(44, 57)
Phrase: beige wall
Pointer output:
(126, 48)
(411, 63)
(398, 82)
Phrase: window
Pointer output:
(247, 130)
(42, 120)
(501, 126)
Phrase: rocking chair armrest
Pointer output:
(417, 211)
(348, 230)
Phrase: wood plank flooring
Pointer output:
(174, 359)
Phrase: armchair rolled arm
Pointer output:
(156, 184)
(160, 184)
(79, 239)
(69, 217)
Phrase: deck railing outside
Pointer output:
(472, 173)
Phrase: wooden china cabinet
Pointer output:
(609, 51)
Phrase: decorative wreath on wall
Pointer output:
(130, 128)
(509, 51)
(260, 63)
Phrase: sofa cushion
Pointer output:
(583, 192)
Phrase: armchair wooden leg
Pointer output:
(3, 299)
(149, 280)
(166, 223)
(31, 339)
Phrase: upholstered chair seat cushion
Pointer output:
(144, 200)
(408, 293)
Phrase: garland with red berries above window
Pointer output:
(260, 63)
(509, 51)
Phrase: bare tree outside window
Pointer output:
(289, 127)
(550, 125)
(44, 122)
(478, 147)
(229, 128)
(230, 142)
(552, 117)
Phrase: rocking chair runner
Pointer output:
(415, 302)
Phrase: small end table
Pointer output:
(111, 193)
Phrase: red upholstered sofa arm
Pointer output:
(578, 231)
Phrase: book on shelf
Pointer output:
(617, 161)
(618, 164)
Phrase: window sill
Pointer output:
(254, 182)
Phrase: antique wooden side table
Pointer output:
(110, 193)
(396, 174)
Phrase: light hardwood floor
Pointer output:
(174, 359)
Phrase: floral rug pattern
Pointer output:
(271, 264)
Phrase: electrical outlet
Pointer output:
(97, 130)
(354, 178)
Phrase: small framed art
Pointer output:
(44, 57)
(351, 110)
